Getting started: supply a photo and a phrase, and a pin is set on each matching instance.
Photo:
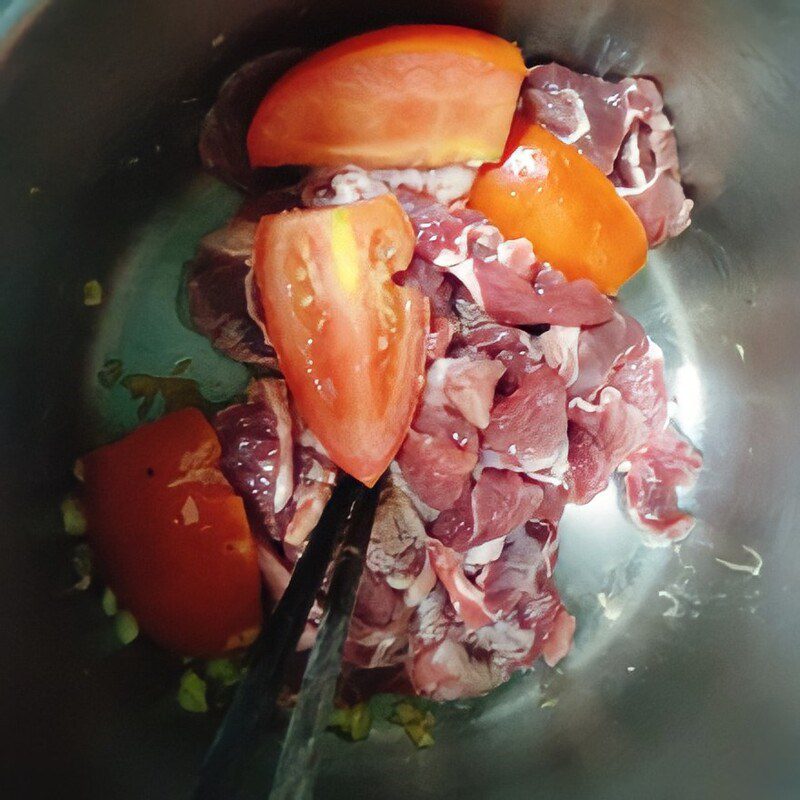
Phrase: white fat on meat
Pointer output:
(662, 207)
(307, 438)
(506, 641)
(448, 258)
(253, 309)
(445, 184)
(465, 272)
(550, 469)
(383, 647)
(467, 599)
(476, 238)
(310, 501)
(465, 384)
(422, 585)
(446, 672)
(430, 621)
(630, 155)
(334, 187)
(340, 186)
(484, 553)
(518, 256)
(272, 392)
(560, 349)
(650, 147)
(573, 122)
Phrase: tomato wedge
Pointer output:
(171, 537)
(407, 96)
(350, 341)
(548, 193)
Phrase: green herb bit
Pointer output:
(126, 627)
(92, 293)
(420, 735)
(224, 672)
(109, 603)
(72, 516)
(417, 723)
(192, 693)
(353, 722)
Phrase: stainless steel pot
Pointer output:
(686, 679)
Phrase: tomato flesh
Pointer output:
(406, 96)
(172, 538)
(547, 192)
(350, 341)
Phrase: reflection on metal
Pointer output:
(688, 392)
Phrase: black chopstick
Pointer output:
(296, 771)
(254, 708)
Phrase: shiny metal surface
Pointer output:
(685, 682)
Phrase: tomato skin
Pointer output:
(547, 192)
(405, 96)
(172, 538)
(350, 341)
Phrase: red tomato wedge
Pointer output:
(350, 341)
(407, 96)
(171, 537)
(547, 192)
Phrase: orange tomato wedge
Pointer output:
(172, 538)
(350, 341)
(548, 193)
(407, 96)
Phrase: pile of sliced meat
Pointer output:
(623, 130)
(538, 392)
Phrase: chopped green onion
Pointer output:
(417, 723)
(361, 722)
(126, 627)
(109, 603)
(419, 734)
(223, 671)
(192, 693)
(353, 722)
(405, 714)
(92, 293)
(72, 516)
